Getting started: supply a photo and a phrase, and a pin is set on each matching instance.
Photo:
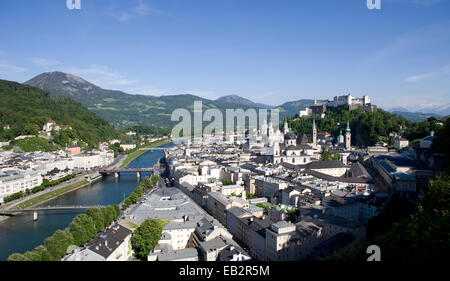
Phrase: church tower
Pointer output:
(285, 128)
(340, 138)
(314, 132)
(348, 137)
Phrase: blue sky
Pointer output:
(269, 51)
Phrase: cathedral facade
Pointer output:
(295, 149)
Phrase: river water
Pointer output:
(20, 233)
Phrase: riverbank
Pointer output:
(57, 191)
(23, 234)
(49, 195)
(142, 150)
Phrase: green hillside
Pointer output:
(25, 109)
(119, 108)
(367, 128)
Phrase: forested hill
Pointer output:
(367, 128)
(119, 108)
(25, 109)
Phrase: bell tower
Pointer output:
(314, 132)
(348, 137)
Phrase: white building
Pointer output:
(59, 163)
(175, 236)
(17, 181)
(86, 161)
(128, 146)
(229, 190)
(113, 244)
(334, 168)
(400, 143)
(49, 126)
(348, 100)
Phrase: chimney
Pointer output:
(106, 243)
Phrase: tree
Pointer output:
(146, 237)
(109, 213)
(147, 183)
(17, 257)
(98, 218)
(227, 182)
(327, 155)
(32, 256)
(423, 236)
(58, 243)
(154, 180)
(42, 252)
(83, 229)
(117, 210)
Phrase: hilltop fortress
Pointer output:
(319, 108)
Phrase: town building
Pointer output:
(18, 181)
(112, 244)
(127, 146)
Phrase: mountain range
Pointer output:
(240, 100)
(432, 110)
(415, 116)
(125, 110)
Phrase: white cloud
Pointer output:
(44, 62)
(6, 68)
(101, 76)
(141, 9)
(419, 77)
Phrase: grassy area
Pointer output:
(139, 152)
(129, 224)
(39, 199)
(33, 144)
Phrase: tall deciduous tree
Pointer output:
(146, 237)
(82, 229)
(58, 243)
(97, 215)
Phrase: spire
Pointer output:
(286, 127)
(348, 127)
(314, 132)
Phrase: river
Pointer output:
(20, 233)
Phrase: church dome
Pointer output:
(290, 136)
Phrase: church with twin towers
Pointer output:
(300, 149)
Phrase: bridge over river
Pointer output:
(117, 172)
(49, 208)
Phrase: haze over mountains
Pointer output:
(430, 110)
